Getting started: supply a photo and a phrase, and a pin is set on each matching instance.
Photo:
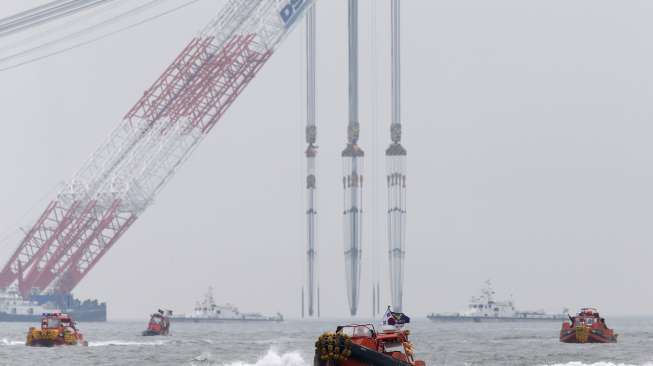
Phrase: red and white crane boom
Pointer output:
(122, 178)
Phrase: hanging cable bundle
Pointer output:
(396, 173)
(61, 44)
(45, 13)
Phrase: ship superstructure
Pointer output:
(15, 307)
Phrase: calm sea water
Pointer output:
(291, 344)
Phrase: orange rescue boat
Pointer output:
(587, 327)
(363, 345)
(57, 329)
(159, 324)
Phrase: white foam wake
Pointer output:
(601, 363)
(125, 343)
(272, 358)
(9, 342)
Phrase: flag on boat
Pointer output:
(392, 318)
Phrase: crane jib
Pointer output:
(292, 10)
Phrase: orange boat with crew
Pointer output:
(57, 329)
(587, 327)
(159, 324)
(363, 345)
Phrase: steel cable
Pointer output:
(92, 40)
(81, 32)
(33, 10)
(48, 15)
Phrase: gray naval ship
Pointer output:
(486, 308)
(16, 308)
(208, 311)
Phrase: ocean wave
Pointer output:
(271, 358)
(125, 343)
(9, 342)
(600, 363)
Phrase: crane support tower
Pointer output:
(352, 181)
(311, 154)
(396, 172)
(156, 136)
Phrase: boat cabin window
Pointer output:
(590, 321)
(394, 347)
(156, 320)
(53, 322)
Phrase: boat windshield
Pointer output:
(156, 320)
(357, 331)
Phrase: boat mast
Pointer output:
(352, 161)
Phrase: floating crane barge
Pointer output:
(155, 137)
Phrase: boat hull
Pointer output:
(44, 343)
(221, 320)
(581, 336)
(51, 343)
(52, 338)
(362, 356)
(151, 333)
(478, 319)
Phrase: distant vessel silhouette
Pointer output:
(208, 311)
(484, 308)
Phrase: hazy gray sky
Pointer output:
(528, 128)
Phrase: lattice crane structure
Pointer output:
(155, 137)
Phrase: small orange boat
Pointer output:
(587, 327)
(57, 329)
(362, 345)
(159, 324)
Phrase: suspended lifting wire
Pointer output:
(38, 15)
(303, 117)
(48, 15)
(92, 40)
(36, 10)
(374, 70)
(7, 233)
(32, 10)
(82, 31)
(44, 34)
